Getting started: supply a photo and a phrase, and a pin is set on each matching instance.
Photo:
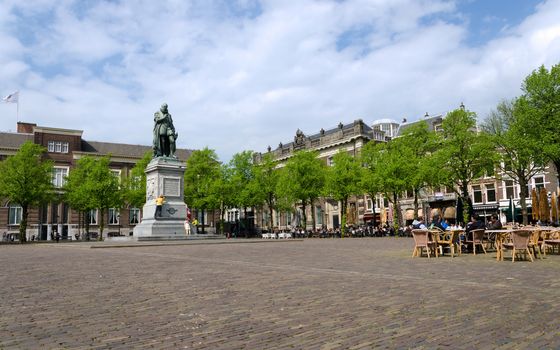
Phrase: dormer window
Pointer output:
(57, 147)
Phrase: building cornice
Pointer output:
(58, 131)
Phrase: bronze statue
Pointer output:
(164, 134)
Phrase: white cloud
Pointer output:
(239, 80)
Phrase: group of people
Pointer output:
(475, 223)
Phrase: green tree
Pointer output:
(242, 180)
(370, 180)
(302, 180)
(202, 181)
(265, 181)
(464, 154)
(76, 191)
(419, 143)
(541, 102)
(92, 185)
(135, 184)
(388, 167)
(343, 181)
(26, 179)
(520, 156)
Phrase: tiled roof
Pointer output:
(13, 140)
(126, 150)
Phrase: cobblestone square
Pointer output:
(311, 294)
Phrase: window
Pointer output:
(319, 215)
(57, 146)
(92, 217)
(114, 216)
(289, 217)
(59, 177)
(490, 193)
(511, 189)
(14, 215)
(330, 161)
(539, 182)
(117, 174)
(477, 194)
(369, 204)
(134, 215)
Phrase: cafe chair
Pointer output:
(450, 240)
(520, 240)
(534, 243)
(477, 240)
(423, 239)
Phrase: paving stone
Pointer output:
(312, 294)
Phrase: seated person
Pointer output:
(437, 222)
(495, 223)
(474, 224)
(419, 223)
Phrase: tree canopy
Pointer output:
(343, 181)
(26, 180)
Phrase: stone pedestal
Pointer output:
(163, 176)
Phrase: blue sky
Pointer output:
(246, 74)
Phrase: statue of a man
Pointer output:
(164, 133)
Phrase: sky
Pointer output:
(244, 74)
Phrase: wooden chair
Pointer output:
(450, 240)
(534, 243)
(520, 240)
(423, 239)
(477, 238)
(551, 240)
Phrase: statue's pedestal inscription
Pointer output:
(164, 176)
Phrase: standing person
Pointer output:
(159, 205)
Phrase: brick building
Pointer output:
(65, 147)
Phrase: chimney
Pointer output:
(25, 128)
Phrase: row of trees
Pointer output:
(26, 180)
(518, 138)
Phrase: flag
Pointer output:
(11, 98)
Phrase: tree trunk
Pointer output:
(467, 210)
(373, 210)
(397, 217)
(101, 226)
(416, 203)
(304, 225)
(202, 220)
(557, 166)
(23, 224)
(314, 229)
(343, 206)
(270, 212)
(522, 197)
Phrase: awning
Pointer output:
(485, 206)
(409, 214)
(368, 216)
(449, 213)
